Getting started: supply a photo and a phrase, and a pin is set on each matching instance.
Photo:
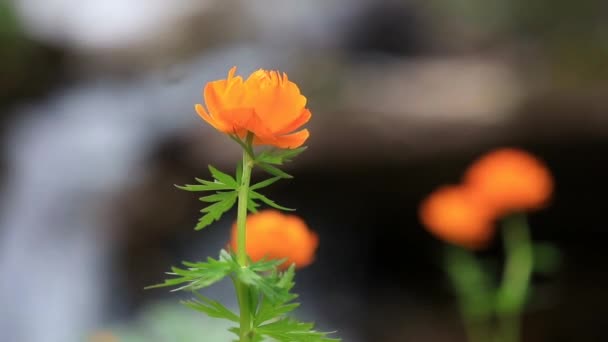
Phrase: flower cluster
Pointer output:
(266, 104)
(499, 183)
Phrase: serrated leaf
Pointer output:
(252, 206)
(254, 298)
(266, 265)
(263, 284)
(216, 183)
(287, 278)
(198, 275)
(265, 183)
(220, 196)
(278, 157)
(291, 330)
(224, 202)
(275, 171)
(236, 331)
(271, 310)
(222, 177)
(289, 154)
(227, 256)
(211, 307)
(256, 195)
(215, 211)
(210, 186)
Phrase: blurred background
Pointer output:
(97, 124)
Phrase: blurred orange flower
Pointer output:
(510, 180)
(266, 104)
(455, 214)
(273, 235)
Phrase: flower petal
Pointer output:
(277, 101)
(301, 120)
(224, 94)
(212, 92)
(239, 120)
(220, 126)
(293, 140)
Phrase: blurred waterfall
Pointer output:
(70, 150)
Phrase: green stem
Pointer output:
(516, 278)
(246, 333)
(473, 289)
(242, 206)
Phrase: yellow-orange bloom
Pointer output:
(267, 104)
(510, 180)
(456, 215)
(273, 235)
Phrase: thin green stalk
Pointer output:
(246, 333)
(473, 290)
(516, 278)
(242, 205)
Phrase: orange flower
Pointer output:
(456, 215)
(266, 104)
(510, 180)
(273, 235)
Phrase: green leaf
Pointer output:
(215, 211)
(265, 183)
(270, 318)
(273, 170)
(200, 274)
(223, 177)
(208, 186)
(291, 330)
(255, 195)
(216, 182)
(220, 204)
(265, 285)
(220, 196)
(211, 307)
(266, 265)
(286, 280)
(254, 298)
(270, 310)
(278, 157)
(236, 331)
(228, 257)
(252, 206)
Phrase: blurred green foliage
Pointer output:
(27, 67)
(571, 36)
(170, 322)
